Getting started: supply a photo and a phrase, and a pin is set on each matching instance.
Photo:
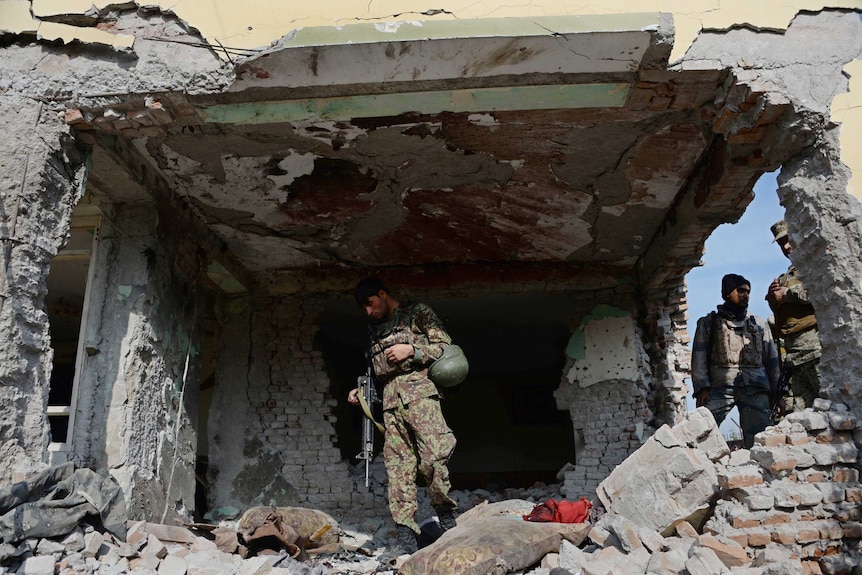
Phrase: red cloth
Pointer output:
(560, 511)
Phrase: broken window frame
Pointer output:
(57, 450)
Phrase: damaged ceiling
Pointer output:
(547, 147)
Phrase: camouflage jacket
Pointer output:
(795, 320)
(743, 353)
(415, 324)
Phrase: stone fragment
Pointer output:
(789, 494)
(685, 529)
(171, 533)
(603, 538)
(604, 561)
(39, 565)
(626, 532)
(660, 483)
(671, 562)
(699, 431)
(146, 561)
(804, 460)
(770, 438)
(842, 421)
(93, 543)
(550, 561)
(212, 562)
(173, 565)
(821, 404)
(729, 552)
(571, 557)
(74, 541)
(811, 420)
(136, 535)
(155, 547)
(704, 561)
(49, 547)
(204, 544)
(652, 540)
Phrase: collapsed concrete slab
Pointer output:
(669, 479)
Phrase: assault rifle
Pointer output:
(778, 392)
(367, 399)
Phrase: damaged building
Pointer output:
(191, 190)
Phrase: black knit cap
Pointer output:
(730, 282)
(368, 287)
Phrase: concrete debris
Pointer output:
(680, 479)
(764, 516)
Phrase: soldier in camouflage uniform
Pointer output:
(405, 341)
(797, 326)
(735, 361)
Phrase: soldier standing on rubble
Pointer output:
(735, 361)
(405, 341)
(796, 324)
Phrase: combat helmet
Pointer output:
(451, 368)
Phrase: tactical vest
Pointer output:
(793, 317)
(397, 330)
(736, 346)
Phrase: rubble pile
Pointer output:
(799, 489)
(684, 504)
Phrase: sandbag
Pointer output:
(306, 522)
(492, 546)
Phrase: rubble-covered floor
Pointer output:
(683, 504)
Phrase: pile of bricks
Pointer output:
(789, 506)
(798, 488)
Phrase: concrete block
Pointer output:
(809, 419)
(39, 565)
(821, 404)
(704, 561)
(661, 483)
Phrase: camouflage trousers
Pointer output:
(755, 412)
(417, 440)
(804, 385)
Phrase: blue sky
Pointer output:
(744, 248)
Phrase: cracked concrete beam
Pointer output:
(127, 156)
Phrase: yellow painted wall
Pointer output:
(847, 111)
(253, 24)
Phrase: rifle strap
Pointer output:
(367, 411)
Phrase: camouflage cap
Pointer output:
(779, 230)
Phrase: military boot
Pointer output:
(405, 544)
(446, 516)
